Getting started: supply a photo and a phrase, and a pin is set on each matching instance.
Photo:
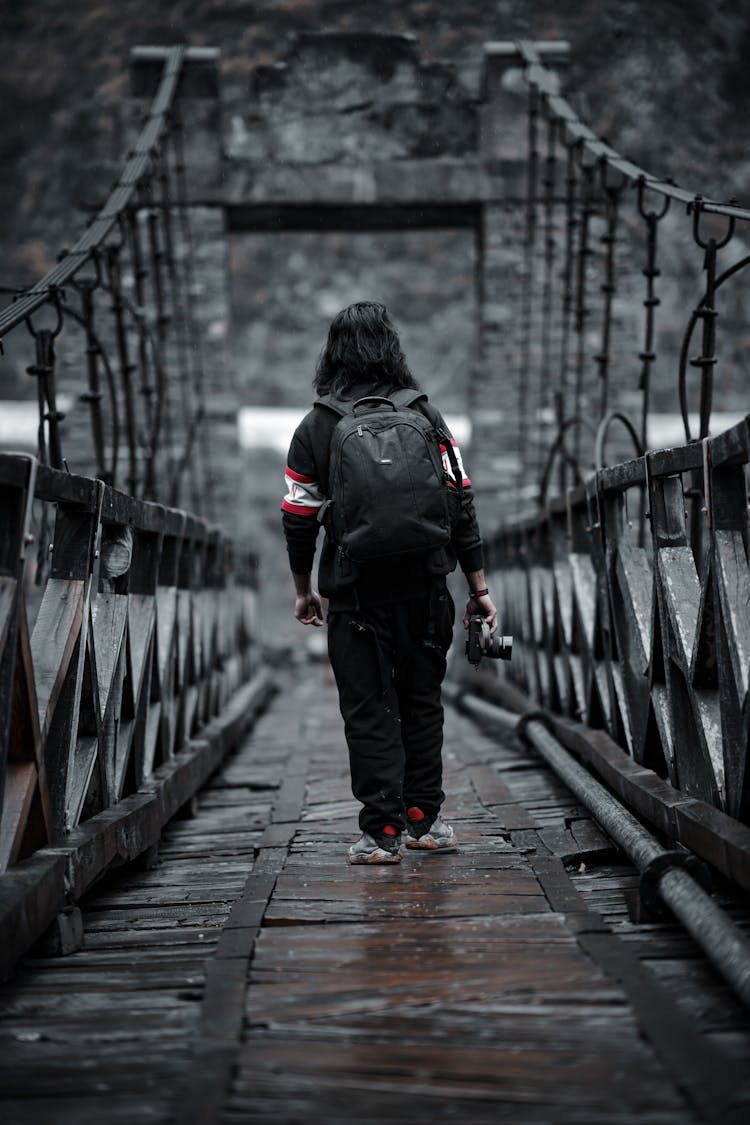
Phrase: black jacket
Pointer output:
(307, 475)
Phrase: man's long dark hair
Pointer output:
(362, 347)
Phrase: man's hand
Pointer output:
(485, 606)
(308, 607)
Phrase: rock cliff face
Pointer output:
(388, 105)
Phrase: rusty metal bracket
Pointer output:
(522, 726)
(651, 876)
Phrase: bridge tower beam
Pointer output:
(206, 278)
(499, 452)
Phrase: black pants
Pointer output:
(389, 663)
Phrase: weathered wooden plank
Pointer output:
(584, 597)
(733, 446)
(54, 486)
(109, 615)
(20, 785)
(475, 1073)
(223, 1006)
(8, 592)
(53, 641)
(732, 586)
(284, 912)
(30, 897)
(166, 621)
(35, 827)
(120, 833)
(25, 735)
(360, 1018)
(184, 633)
(141, 619)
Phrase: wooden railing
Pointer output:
(135, 679)
(645, 634)
(127, 642)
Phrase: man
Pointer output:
(390, 621)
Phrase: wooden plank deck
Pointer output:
(253, 976)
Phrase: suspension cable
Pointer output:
(194, 334)
(547, 389)
(544, 81)
(135, 169)
(568, 295)
(532, 167)
(146, 389)
(612, 192)
(583, 253)
(651, 302)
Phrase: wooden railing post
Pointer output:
(25, 814)
(596, 609)
(65, 677)
(192, 583)
(630, 585)
(109, 632)
(16, 494)
(688, 722)
(724, 655)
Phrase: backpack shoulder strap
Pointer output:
(408, 396)
(404, 396)
(340, 407)
(446, 441)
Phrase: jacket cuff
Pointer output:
(300, 561)
(471, 559)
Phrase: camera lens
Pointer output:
(500, 648)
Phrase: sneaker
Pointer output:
(384, 849)
(435, 837)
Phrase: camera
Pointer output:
(480, 643)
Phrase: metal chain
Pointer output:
(194, 332)
(93, 395)
(163, 413)
(547, 391)
(146, 388)
(107, 474)
(136, 169)
(524, 406)
(43, 369)
(612, 193)
(651, 302)
(583, 253)
(114, 288)
(707, 312)
(568, 294)
(182, 463)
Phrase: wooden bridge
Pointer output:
(247, 973)
(182, 939)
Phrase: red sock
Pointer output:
(389, 830)
(415, 815)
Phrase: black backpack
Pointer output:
(389, 492)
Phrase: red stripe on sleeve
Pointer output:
(299, 509)
(299, 477)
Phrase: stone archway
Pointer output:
(354, 132)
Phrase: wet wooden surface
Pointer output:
(253, 976)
